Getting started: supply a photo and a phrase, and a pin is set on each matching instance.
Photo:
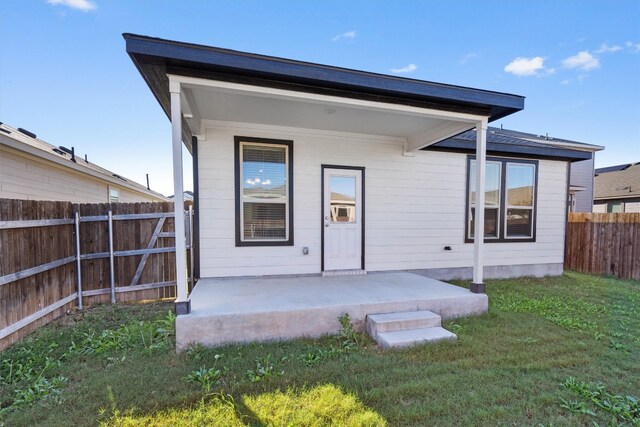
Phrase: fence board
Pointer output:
(604, 243)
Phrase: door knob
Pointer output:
(327, 218)
(326, 225)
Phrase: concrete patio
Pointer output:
(265, 309)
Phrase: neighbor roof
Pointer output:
(26, 141)
(504, 141)
(155, 58)
(617, 182)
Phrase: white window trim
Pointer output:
(507, 206)
(473, 205)
(265, 201)
(117, 191)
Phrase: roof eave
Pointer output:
(177, 54)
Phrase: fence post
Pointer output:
(112, 273)
(78, 263)
(191, 246)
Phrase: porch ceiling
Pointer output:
(222, 101)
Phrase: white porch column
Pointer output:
(182, 302)
(477, 286)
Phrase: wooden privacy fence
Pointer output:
(55, 255)
(604, 243)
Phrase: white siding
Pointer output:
(22, 177)
(628, 205)
(414, 206)
(632, 206)
(600, 207)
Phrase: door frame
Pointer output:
(362, 204)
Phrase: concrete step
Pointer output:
(409, 337)
(389, 322)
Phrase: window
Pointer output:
(615, 207)
(510, 193)
(343, 199)
(264, 192)
(114, 195)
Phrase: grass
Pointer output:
(551, 351)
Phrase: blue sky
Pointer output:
(64, 73)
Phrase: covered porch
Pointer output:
(262, 309)
(218, 99)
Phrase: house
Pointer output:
(581, 171)
(33, 169)
(187, 196)
(305, 170)
(617, 188)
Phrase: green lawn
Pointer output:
(553, 351)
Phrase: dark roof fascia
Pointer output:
(178, 55)
(541, 139)
(551, 153)
(615, 168)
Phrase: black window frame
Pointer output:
(502, 219)
(238, 196)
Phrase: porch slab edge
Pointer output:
(219, 329)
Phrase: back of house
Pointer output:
(310, 169)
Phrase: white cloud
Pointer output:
(635, 47)
(582, 77)
(605, 48)
(582, 61)
(525, 66)
(469, 57)
(83, 5)
(565, 82)
(349, 35)
(405, 70)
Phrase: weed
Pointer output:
(347, 331)
(623, 408)
(315, 357)
(196, 351)
(617, 345)
(151, 336)
(28, 368)
(599, 336)
(40, 389)
(576, 406)
(456, 328)
(208, 377)
(561, 311)
(264, 370)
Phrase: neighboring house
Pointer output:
(32, 169)
(617, 188)
(304, 169)
(187, 196)
(581, 172)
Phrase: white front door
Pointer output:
(342, 218)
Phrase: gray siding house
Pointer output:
(617, 188)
